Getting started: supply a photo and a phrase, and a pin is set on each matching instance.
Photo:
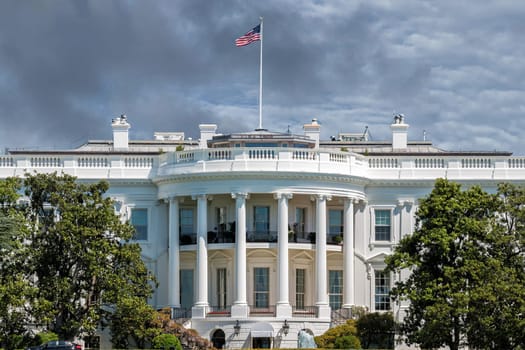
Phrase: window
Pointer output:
(186, 288)
(139, 220)
(300, 218)
(186, 221)
(335, 288)
(299, 288)
(220, 222)
(335, 219)
(382, 290)
(382, 224)
(221, 288)
(261, 219)
(261, 285)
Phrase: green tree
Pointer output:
(15, 290)
(496, 317)
(81, 256)
(460, 263)
(376, 329)
(133, 321)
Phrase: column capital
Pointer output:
(405, 202)
(356, 200)
(279, 195)
(321, 197)
(169, 199)
(351, 199)
(199, 196)
(240, 195)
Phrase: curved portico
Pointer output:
(273, 214)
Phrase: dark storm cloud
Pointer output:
(455, 69)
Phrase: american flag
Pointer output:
(250, 37)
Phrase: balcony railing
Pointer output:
(221, 237)
(260, 237)
(188, 238)
(268, 311)
(219, 311)
(304, 311)
(181, 314)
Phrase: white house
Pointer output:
(256, 236)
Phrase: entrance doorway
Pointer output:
(218, 339)
(262, 343)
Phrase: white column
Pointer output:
(323, 308)
(240, 305)
(283, 307)
(348, 255)
(201, 304)
(173, 254)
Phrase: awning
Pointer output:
(261, 330)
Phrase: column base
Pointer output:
(199, 311)
(324, 311)
(240, 311)
(283, 310)
(347, 310)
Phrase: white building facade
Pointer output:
(256, 236)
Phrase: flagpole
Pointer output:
(260, 76)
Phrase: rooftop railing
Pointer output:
(327, 161)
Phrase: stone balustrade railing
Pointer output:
(324, 161)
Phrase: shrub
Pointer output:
(44, 337)
(329, 338)
(166, 341)
(347, 342)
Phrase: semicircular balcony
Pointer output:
(221, 160)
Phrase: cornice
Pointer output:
(232, 176)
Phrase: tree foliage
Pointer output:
(466, 261)
(132, 323)
(81, 254)
(376, 329)
(15, 290)
(66, 260)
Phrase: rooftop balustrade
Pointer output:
(321, 161)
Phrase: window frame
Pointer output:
(337, 294)
(266, 292)
(136, 236)
(267, 222)
(300, 295)
(372, 239)
(182, 231)
(385, 281)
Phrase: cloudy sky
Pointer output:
(455, 69)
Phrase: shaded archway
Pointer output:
(218, 339)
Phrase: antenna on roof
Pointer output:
(364, 138)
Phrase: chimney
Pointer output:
(207, 133)
(120, 128)
(399, 132)
(313, 131)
